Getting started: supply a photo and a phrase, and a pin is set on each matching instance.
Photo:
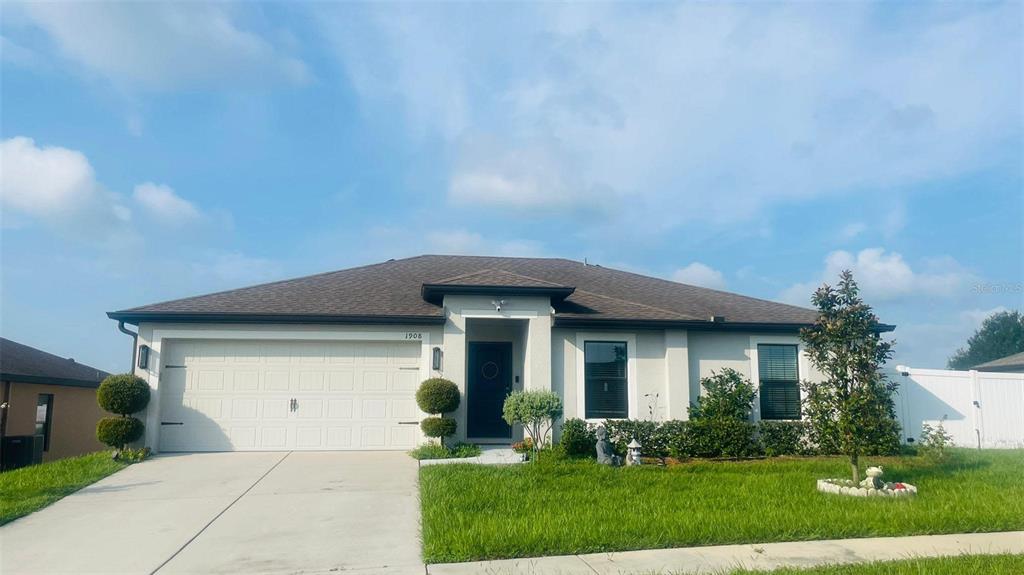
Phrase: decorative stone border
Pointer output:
(848, 487)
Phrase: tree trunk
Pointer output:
(854, 468)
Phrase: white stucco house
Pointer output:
(332, 361)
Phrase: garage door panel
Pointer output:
(237, 395)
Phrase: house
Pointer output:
(332, 361)
(50, 396)
(1010, 364)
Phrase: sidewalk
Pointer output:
(723, 558)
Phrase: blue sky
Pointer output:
(154, 151)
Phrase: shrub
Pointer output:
(935, 440)
(727, 395)
(436, 451)
(535, 410)
(653, 442)
(123, 394)
(783, 437)
(715, 438)
(578, 439)
(524, 446)
(439, 427)
(437, 396)
(117, 432)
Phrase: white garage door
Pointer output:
(260, 395)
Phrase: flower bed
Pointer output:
(848, 487)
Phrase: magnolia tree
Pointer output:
(535, 410)
(852, 408)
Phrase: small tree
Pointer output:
(438, 396)
(845, 345)
(123, 395)
(535, 410)
(727, 395)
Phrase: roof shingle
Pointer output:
(19, 361)
(393, 290)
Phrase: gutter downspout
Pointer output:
(135, 342)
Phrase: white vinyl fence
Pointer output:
(981, 409)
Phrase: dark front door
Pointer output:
(490, 381)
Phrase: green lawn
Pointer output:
(475, 512)
(29, 489)
(979, 564)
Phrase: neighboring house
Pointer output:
(50, 396)
(332, 361)
(1009, 364)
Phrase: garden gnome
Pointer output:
(605, 455)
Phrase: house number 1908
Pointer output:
(413, 335)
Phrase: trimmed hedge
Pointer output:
(438, 395)
(697, 438)
(784, 438)
(118, 432)
(578, 439)
(438, 427)
(123, 394)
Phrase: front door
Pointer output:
(490, 381)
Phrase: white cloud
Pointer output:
(886, 277)
(56, 185)
(165, 45)
(699, 274)
(661, 103)
(161, 202)
(852, 230)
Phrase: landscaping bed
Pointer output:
(566, 507)
(29, 489)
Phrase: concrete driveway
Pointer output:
(297, 512)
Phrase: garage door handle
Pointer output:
(172, 423)
(408, 423)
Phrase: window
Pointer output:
(44, 418)
(780, 381)
(606, 381)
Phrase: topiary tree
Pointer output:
(438, 396)
(853, 406)
(121, 394)
(535, 410)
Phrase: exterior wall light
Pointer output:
(436, 359)
(143, 356)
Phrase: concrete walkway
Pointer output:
(724, 558)
(300, 512)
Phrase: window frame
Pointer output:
(802, 369)
(48, 422)
(625, 375)
(632, 397)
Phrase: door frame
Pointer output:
(470, 355)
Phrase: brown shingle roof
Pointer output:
(1013, 362)
(19, 362)
(392, 291)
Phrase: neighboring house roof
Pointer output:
(1013, 362)
(398, 291)
(21, 363)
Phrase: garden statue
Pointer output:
(873, 479)
(605, 455)
(633, 453)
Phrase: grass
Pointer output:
(473, 512)
(29, 489)
(986, 564)
(436, 451)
